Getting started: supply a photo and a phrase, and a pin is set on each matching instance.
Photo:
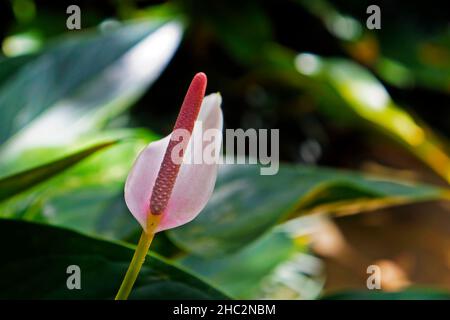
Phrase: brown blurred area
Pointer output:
(410, 243)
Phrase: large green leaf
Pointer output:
(81, 81)
(35, 258)
(245, 204)
(24, 180)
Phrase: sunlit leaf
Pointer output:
(346, 90)
(79, 82)
(22, 181)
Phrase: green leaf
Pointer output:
(35, 258)
(288, 272)
(89, 196)
(83, 81)
(9, 66)
(245, 205)
(22, 181)
(409, 294)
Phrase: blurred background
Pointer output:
(343, 96)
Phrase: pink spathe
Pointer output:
(181, 196)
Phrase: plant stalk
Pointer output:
(138, 258)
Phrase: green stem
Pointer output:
(135, 265)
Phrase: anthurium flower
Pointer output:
(163, 192)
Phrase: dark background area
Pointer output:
(250, 101)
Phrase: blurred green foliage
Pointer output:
(310, 68)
